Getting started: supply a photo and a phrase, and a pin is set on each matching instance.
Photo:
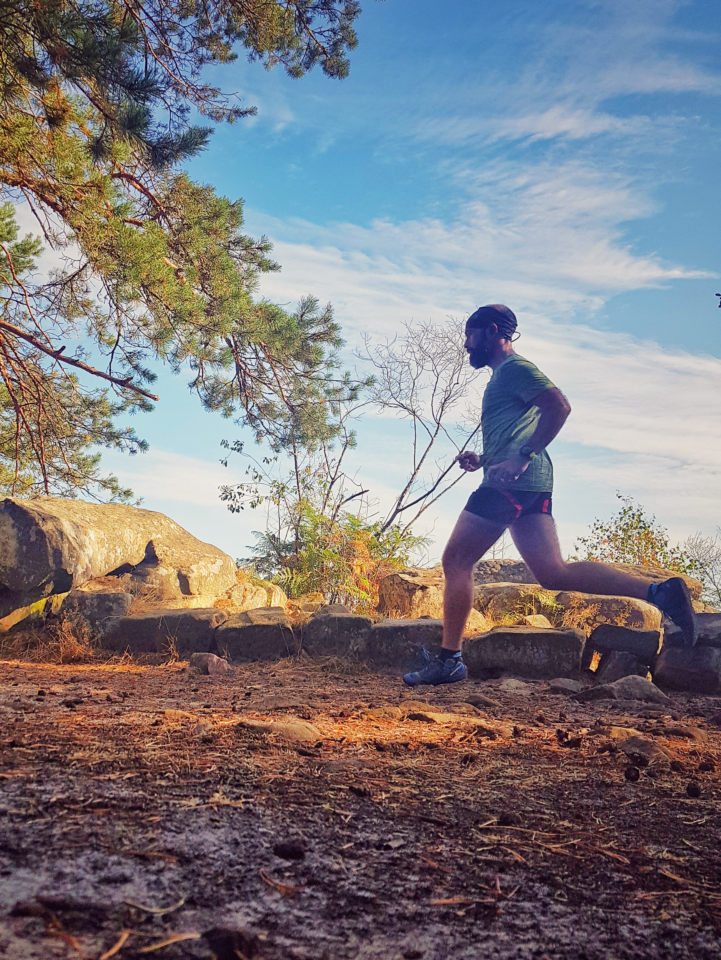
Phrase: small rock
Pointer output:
(492, 731)
(632, 774)
(538, 620)
(642, 751)
(688, 733)
(384, 713)
(706, 766)
(516, 687)
(479, 700)
(623, 733)
(298, 730)
(564, 685)
(421, 717)
(628, 688)
(290, 849)
(208, 664)
(509, 819)
(693, 789)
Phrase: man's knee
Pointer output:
(456, 561)
(552, 577)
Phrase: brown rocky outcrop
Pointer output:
(50, 546)
(502, 571)
(418, 592)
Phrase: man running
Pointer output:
(522, 413)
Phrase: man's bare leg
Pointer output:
(537, 541)
(471, 538)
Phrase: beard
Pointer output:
(479, 357)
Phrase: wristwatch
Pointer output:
(528, 452)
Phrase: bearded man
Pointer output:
(522, 412)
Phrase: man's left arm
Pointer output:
(554, 412)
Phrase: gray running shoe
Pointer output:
(673, 599)
(437, 671)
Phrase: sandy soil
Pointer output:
(136, 809)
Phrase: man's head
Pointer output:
(486, 331)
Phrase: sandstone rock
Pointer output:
(617, 664)
(623, 733)
(643, 644)
(565, 685)
(396, 643)
(516, 687)
(589, 611)
(244, 595)
(482, 702)
(188, 631)
(496, 600)
(709, 629)
(538, 620)
(686, 733)
(384, 713)
(697, 669)
(261, 634)
(296, 730)
(97, 607)
(523, 651)
(412, 593)
(628, 688)
(642, 751)
(502, 571)
(49, 545)
(477, 623)
(207, 664)
(336, 632)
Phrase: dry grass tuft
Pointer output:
(62, 640)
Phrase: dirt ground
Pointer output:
(139, 818)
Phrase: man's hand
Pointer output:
(470, 461)
(507, 470)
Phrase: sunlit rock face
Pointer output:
(50, 546)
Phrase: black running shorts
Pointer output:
(505, 506)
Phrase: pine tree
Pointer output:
(94, 123)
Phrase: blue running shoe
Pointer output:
(672, 598)
(437, 671)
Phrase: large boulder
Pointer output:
(50, 546)
(657, 575)
(262, 634)
(525, 652)
(165, 631)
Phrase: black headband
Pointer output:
(506, 322)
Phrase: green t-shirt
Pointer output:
(509, 418)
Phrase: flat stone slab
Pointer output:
(697, 669)
(565, 685)
(188, 631)
(261, 634)
(643, 644)
(523, 651)
(335, 632)
(97, 607)
(628, 688)
(397, 643)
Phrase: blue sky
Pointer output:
(560, 157)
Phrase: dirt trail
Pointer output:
(137, 809)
